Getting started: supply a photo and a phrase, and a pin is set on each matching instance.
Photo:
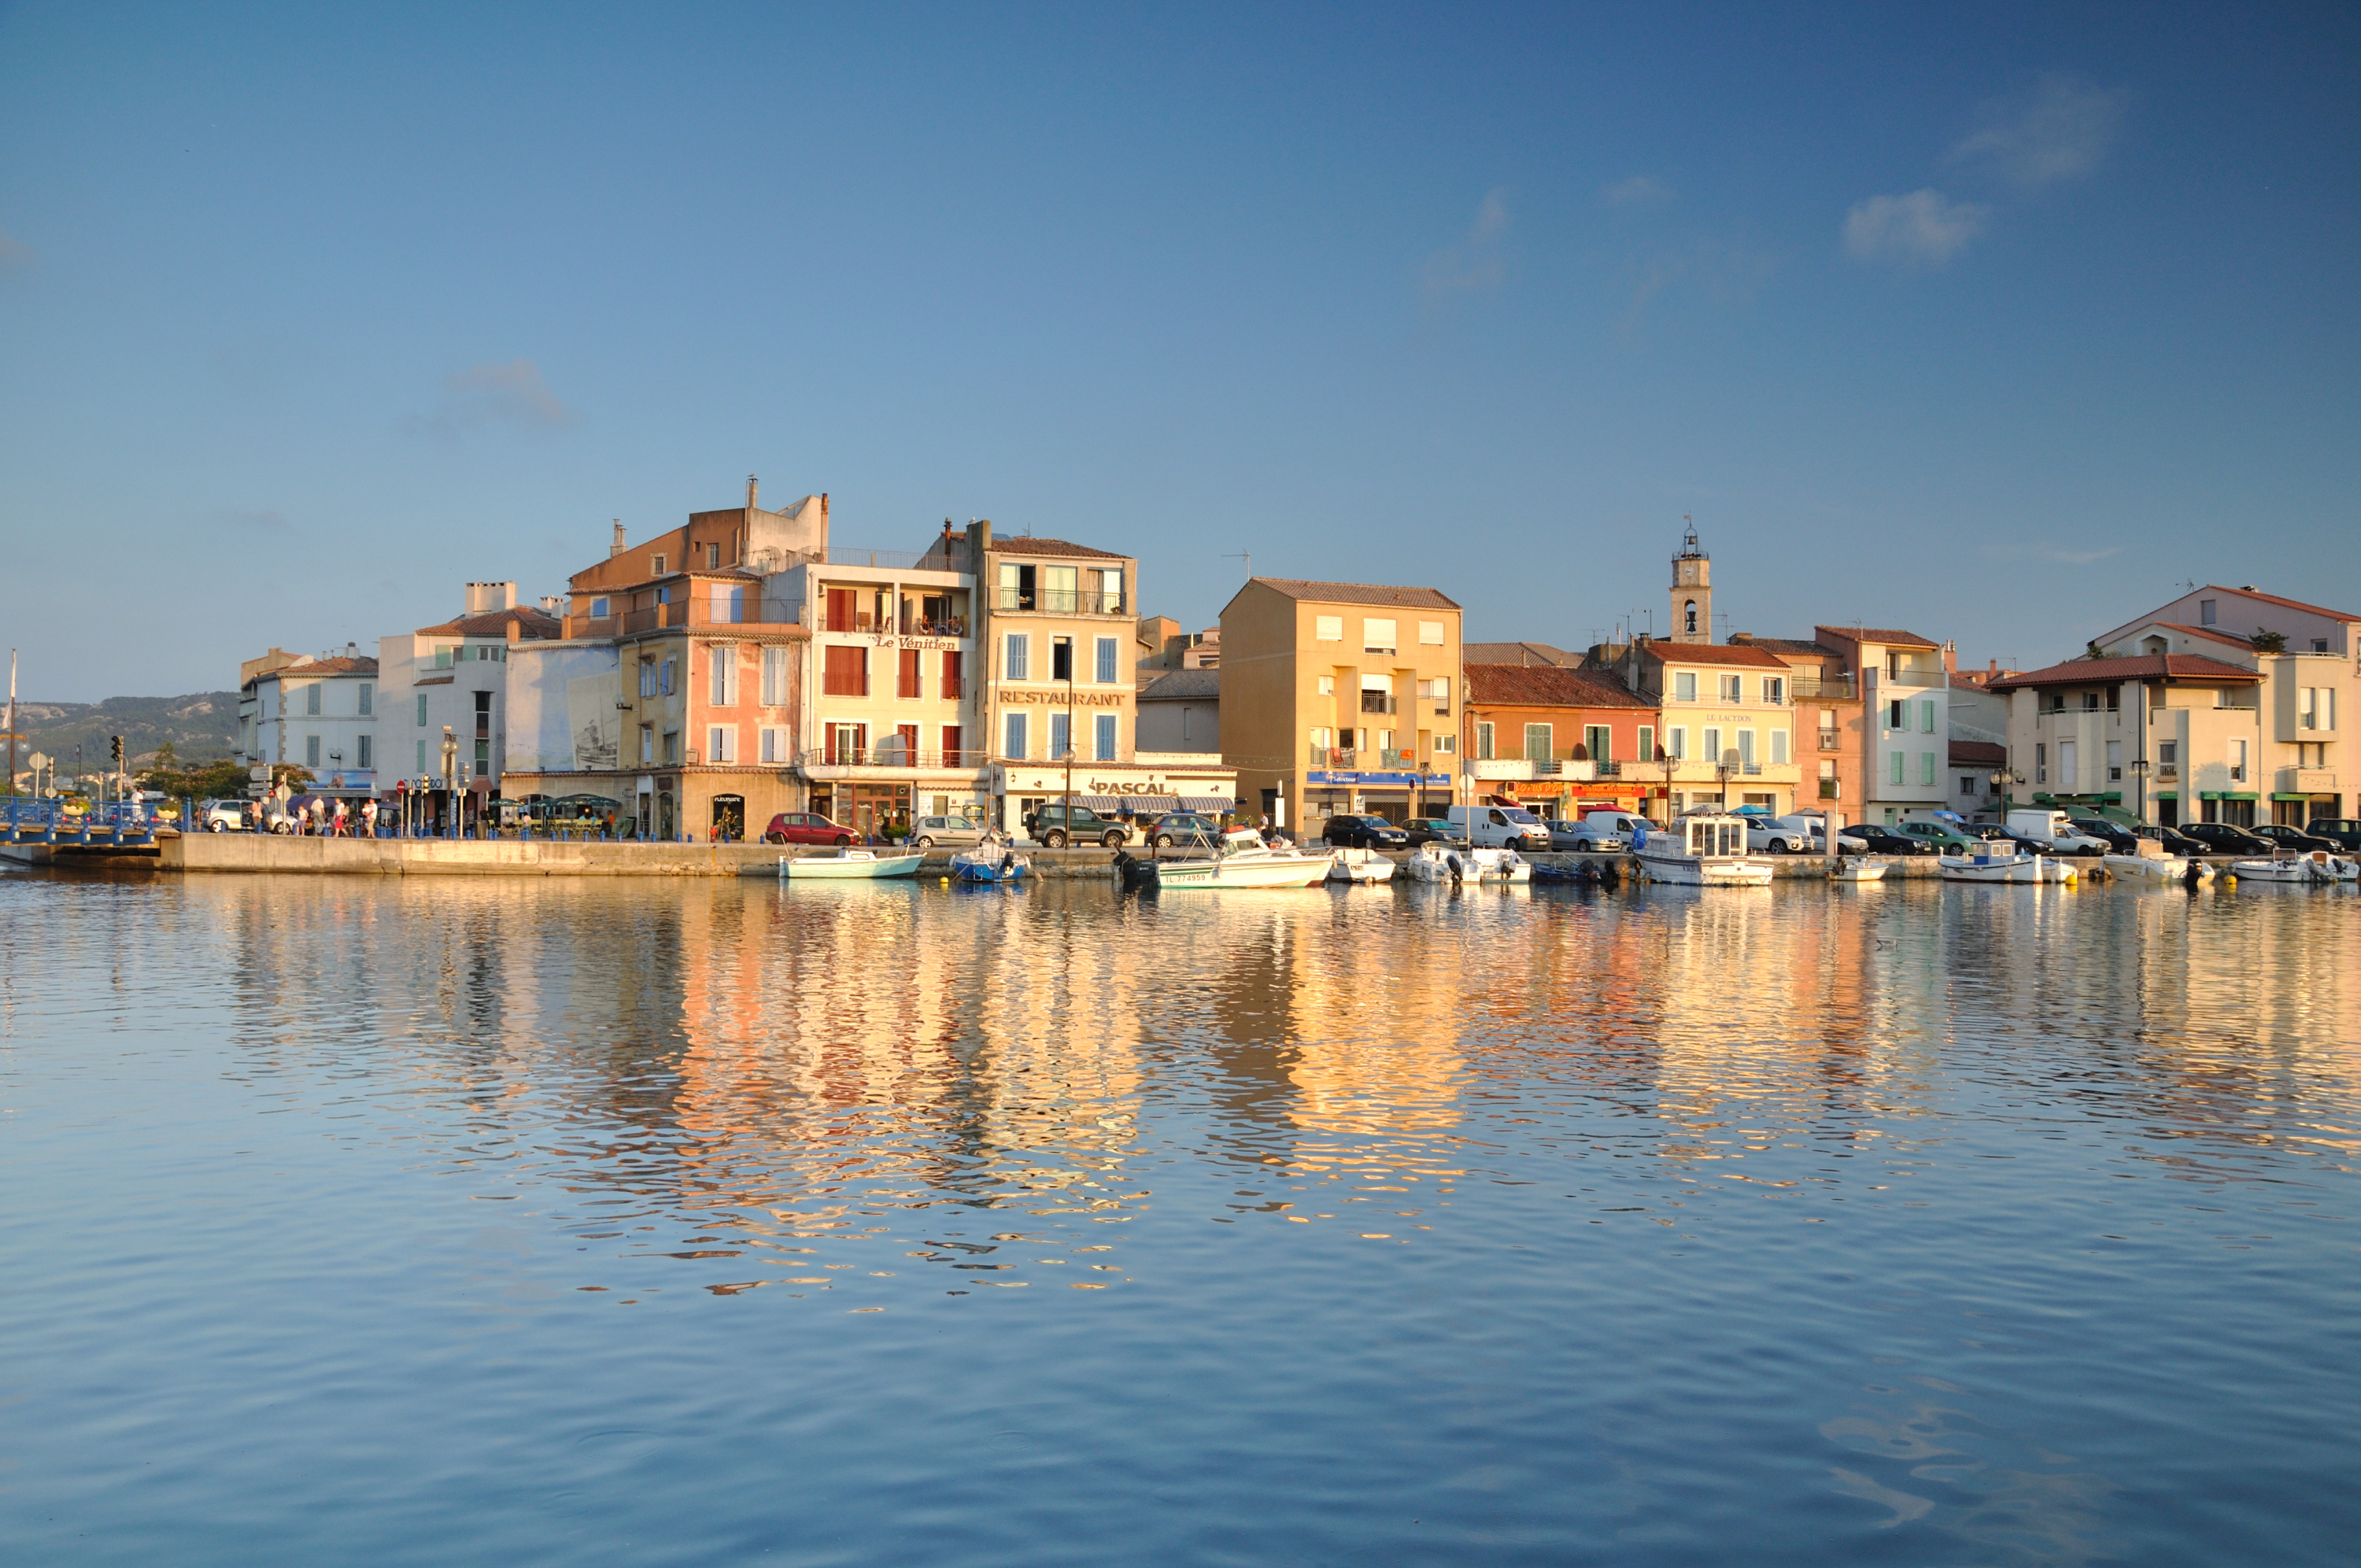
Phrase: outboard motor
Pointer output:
(1609, 878)
(2189, 878)
(1453, 863)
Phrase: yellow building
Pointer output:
(1727, 737)
(1340, 697)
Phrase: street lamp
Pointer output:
(2000, 779)
(2139, 774)
(451, 771)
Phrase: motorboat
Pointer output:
(1857, 868)
(993, 859)
(1243, 859)
(2158, 867)
(1362, 867)
(1704, 849)
(1991, 868)
(1504, 866)
(848, 865)
(2315, 866)
(1431, 862)
(1439, 862)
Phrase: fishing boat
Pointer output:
(848, 865)
(993, 859)
(1243, 859)
(1857, 868)
(1991, 868)
(2317, 866)
(1706, 850)
(1362, 867)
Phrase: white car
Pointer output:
(1610, 831)
(1779, 835)
(223, 816)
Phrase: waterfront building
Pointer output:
(318, 712)
(2179, 716)
(1831, 723)
(1341, 698)
(1181, 711)
(1904, 682)
(1559, 740)
(1726, 730)
(453, 678)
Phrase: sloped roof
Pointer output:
(1027, 545)
(1791, 646)
(2214, 632)
(495, 624)
(1714, 653)
(1359, 592)
(2291, 604)
(1197, 684)
(2110, 672)
(1517, 653)
(1978, 754)
(1888, 636)
(1547, 686)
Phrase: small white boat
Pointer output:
(1431, 862)
(1991, 868)
(1857, 868)
(2317, 866)
(2155, 868)
(993, 859)
(1244, 860)
(848, 865)
(1504, 866)
(1363, 867)
(2057, 868)
(1707, 850)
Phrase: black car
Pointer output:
(1051, 827)
(2116, 837)
(1432, 830)
(2174, 840)
(1364, 833)
(2345, 830)
(2221, 838)
(1868, 837)
(2296, 838)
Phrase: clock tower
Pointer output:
(1692, 591)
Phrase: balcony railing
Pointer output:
(750, 611)
(1377, 702)
(1836, 688)
(1059, 601)
(888, 756)
(1830, 741)
(867, 622)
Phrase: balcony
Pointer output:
(750, 611)
(1833, 688)
(889, 755)
(1377, 702)
(2305, 781)
(867, 624)
(1831, 740)
(1918, 674)
(1058, 601)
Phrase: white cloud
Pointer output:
(1922, 227)
(1478, 262)
(2058, 130)
(15, 256)
(511, 393)
(1638, 189)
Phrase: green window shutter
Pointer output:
(1895, 771)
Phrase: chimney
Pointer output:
(549, 604)
(616, 548)
(516, 633)
(352, 649)
(753, 493)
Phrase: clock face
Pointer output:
(1689, 573)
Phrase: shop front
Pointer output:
(1117, 790)
(1397, 796)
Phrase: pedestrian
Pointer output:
(343, 828)
(368, 818)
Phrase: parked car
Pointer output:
(2175, 842)
(1501, 827)
(2221, 838)
(1610, 831)
(1869, 838)
(2286, 838)
(954, 832)
(1577, 835)
(2049, 831)
(806, 828)
(2119, 838)
(1996, 840)
(1054, 826)
(1777, 836)
(2345, 830)
(1431, 830)
(1175, 829)
(222, 817)
(1363, 833)
(1945, 840)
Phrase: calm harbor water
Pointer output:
(547, 1221)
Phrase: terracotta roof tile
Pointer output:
(2109, 672)
(1791, 646)
(1517, 653)
(1714, 653)
(1892, 637)
(1027, 545)
(1547, 686)
(1978, 754)
(2216, 632)
(1183, 685)
(1359, 592)
(495, 624)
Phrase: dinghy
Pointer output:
(848, 865)
(1362, 867)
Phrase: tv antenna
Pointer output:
(1245, 555)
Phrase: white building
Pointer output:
(455, 678)
(316, 712)
(1181, 711)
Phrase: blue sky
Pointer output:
(1994, 324)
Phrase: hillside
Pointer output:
(201, 726)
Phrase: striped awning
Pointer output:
(1137, 805)
(1214, 804)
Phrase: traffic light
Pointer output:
(118, 753)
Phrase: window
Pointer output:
(1430, 633)
(312, 752)
(1895, 762)
(1926, 768)
(598, 607)
(2114, 762)
(1103, 733)
(2320, 644)
(1728, 685)
(1328, 629)
(442, 658)
(1685, 686)
(1676, 742)
(725, 673)
(774, 744)
(1967, 784)
(311, 701)
(1599, 741)
(1111, 591)
(846, 672)
(1775, 689)
(2237, 760)
(2040, 762)
(666, 677)
(1713, 747)
(2205, 612)
(2167, 755)
(775, 677)
(727, 602)
(2316, 708)
(1377, 636)
(365, 753)
(1105, 672)
(1060, 592)
(422, 708)
(1061, 735)
(2069, 766)
(2090, 702)
(656, 569)
(1647, 743)
(1438, 691)
(672, 746)
(1927, 718)
(1688, 618)
(713, 557)
(1778, 748)
(647, 743)
(422, 758)
(1538, 738)
(720, 743)
(1445, 745)
(647, 677)
(1012, 746)
(953, 740)
(907, 680)
(1897, 715)
(1327, 685)
(1484, 740)
(1746, 748)
(369, 698)
(1016, 660)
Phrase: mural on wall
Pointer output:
(598, 735)
(562, 716)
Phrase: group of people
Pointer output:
(321, 819)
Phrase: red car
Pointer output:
(806, 827)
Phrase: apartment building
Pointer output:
(1341, 698)
(452, 680)
(2192, 719)
(318, 712)
(1904, 681)
(1831, 722)
(1726, 724)
(1559, 740)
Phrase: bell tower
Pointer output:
(1692, 591)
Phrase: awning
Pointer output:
(1208, 803)
(2312, 795)
(1138, 805)
(2166, 794)
(2230, 794)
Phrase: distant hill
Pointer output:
(201, 726)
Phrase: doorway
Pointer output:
(729, 818)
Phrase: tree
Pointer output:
(2269, 642)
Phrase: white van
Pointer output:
(2052, 830)
(1501, 826)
